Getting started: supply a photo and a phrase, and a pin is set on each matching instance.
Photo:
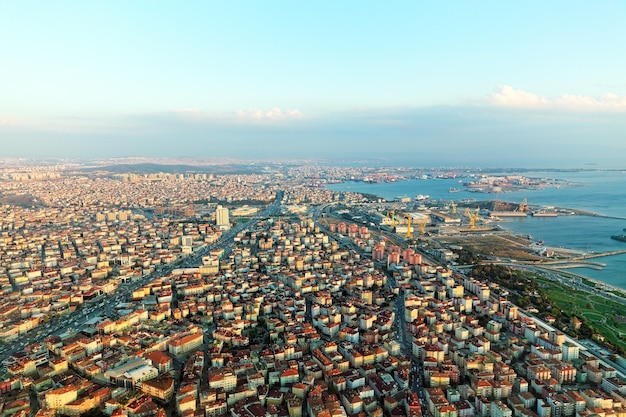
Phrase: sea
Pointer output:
(597, 191)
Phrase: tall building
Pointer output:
(221, 217)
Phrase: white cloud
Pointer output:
(274, 113)
(8, 122)
(608, 101)
(507, 96)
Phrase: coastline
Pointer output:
(582, 230)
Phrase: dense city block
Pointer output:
(266, 294)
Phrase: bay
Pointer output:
(600, 192)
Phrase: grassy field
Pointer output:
(603, 315)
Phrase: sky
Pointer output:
(487, 83)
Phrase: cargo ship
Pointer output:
(621, 238)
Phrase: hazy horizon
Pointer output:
(491, 84)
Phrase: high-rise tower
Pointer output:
(221, 217)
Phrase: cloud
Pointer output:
(5, 121)
(272, 114)
(608, 101)
(275, 113)
(507, 96)
(471, 135)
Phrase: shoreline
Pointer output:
(439, 193)
(563, 211)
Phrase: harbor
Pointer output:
(586, 214)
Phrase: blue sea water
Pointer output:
(601, 192)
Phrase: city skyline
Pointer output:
(534, 84)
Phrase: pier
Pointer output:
(569, 265)
(599, 255)
(582, 261)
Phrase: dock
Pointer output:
(599, 255)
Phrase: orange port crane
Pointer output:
(408, 226)
(523, 207)
(472, 216)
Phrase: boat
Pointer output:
(621, 238)
(454, 190)
(422, 197)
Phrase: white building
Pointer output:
(571, 351)
(221, 217)
(187, 241)
(132, 372)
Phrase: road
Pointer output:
(400, 326)
(105, 304)
(573, 281)
(621, 372)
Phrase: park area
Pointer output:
(603, 315)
